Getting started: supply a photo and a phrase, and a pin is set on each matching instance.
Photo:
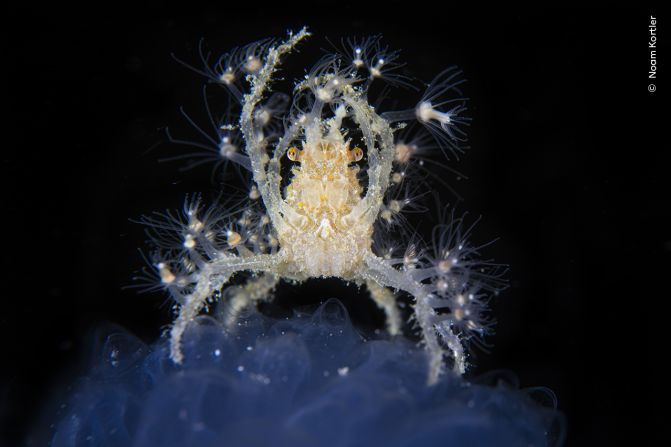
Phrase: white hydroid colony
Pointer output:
(324, 219)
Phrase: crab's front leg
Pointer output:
(385, 300)
(382, 273)
(210, 278)
(239, 298)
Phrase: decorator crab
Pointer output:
(328, 175)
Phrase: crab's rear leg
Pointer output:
(211, 277)
(386, 300)
(431, 326)
(239, 298)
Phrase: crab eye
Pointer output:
(356, 154)
(293, 154)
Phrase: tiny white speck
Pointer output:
(343, 371)
(241, 368)
(217, 352)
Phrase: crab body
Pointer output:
(321, 238)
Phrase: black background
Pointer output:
(561, 115)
